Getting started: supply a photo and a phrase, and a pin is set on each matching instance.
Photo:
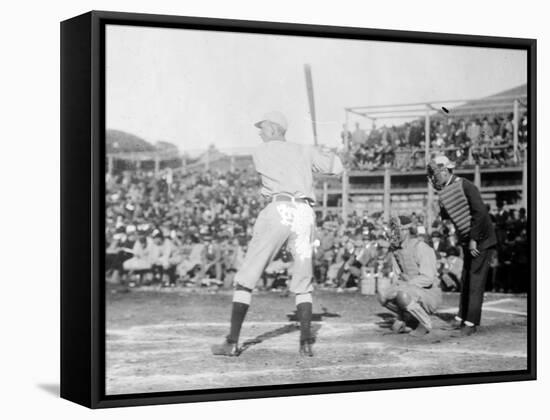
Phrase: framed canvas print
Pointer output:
(255, 209)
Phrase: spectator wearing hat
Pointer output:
(211, 262)
(189, 262)
(118, 251)
(140, 263)
(358, 137)
(438, 244)
(345, 136)
(474, 132)
(163, 258)
(523, 137)
(416, 134)
(233, 256)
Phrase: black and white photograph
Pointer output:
(281, 210)
(288, 210)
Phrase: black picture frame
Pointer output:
(82, 207)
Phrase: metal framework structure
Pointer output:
(434, 110)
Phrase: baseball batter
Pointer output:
(286, 171)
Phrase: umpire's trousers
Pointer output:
(474, 277)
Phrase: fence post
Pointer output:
(429, 210)
(345, 182)
(325, 198)
(387, 194)
(477, 177)
(515, 122)
(345, 139)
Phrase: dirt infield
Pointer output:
(159, 341)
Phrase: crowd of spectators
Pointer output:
(487, 141)
(192, 228)
(183, 226)
(348, 254)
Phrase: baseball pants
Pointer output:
(277, 223)
(474, 277)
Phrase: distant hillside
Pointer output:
(166, 146)
(118, 141)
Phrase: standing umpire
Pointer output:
(460, 201)
(286, 171)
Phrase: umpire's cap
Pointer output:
(274, 117)
(441, 161)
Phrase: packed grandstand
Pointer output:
(173, 220)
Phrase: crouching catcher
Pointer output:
(415, 294)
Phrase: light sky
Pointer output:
(196, 88)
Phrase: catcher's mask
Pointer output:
(435, 168)
(433, 172)
(396, 228)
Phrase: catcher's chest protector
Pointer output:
(406, 259)
(454, 201)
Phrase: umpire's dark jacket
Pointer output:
(482, 229)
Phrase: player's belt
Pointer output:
(284, 197)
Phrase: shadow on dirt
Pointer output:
(292, 316)
(286, 329)
(445, 316)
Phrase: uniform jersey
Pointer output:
(417, 260)
(287, 167)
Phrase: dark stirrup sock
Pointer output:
(304, 313)
(238, 313)
(241, 303)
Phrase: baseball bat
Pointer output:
(311, 100)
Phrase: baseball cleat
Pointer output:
(306, 349)
(419, 331)
(468, 330)
(400, 327)
(453, 325)
(225, 349)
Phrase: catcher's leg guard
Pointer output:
(417, 311)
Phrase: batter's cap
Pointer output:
(274, 117)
